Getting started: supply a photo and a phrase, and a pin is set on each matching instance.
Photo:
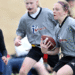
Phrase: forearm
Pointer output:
(54, 52)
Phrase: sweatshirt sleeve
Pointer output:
(21, 28)
(51, 17)
(2, 44)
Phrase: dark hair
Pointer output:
(65, 6)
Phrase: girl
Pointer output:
(35, 23)
(65, 38)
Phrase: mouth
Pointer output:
(54, 15)
(29, 8)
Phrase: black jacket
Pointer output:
(2, 45)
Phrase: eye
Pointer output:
(27, 3)
(53, 8)
(57, 9)
(31, 2)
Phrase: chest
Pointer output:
(66, 35)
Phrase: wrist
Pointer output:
(19, 38)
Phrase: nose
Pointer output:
(54, 11)
(29, 5)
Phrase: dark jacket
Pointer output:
(3, 50)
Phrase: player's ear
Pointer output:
(37, 2)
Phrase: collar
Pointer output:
(37, 14)
(63, 21)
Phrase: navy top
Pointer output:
(3, 51)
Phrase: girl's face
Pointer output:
(31, 6)
(58, 11)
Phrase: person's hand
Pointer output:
(44, 46)
(17, 42)
(5, 60)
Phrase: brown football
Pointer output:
(53, 43)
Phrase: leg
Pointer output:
(41, 68)
(65, 70)
(54, 73)
(27, 65)
(49, 68)
(52, 61)
(33, 56)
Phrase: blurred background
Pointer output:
(10, 13)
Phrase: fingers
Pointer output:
(48, 44)
(5, 60)
(45, 41)
(41, 41)
(17, 42)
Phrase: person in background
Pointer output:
(72, 4)
(3, 53)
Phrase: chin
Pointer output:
(30, 12)
(55, 18)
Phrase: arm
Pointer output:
(44, 48)
(20, 32)
(54, 52)
(18, 41)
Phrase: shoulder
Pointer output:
(46, 10)
(0, 31)
(24, 17)
(71, 20)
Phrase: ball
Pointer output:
(52, 41)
